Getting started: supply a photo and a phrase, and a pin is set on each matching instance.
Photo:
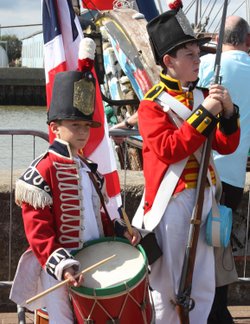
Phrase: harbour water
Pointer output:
(21, 117)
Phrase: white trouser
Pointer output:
(172, 235)
(57, 302)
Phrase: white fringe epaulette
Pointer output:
(32, 195)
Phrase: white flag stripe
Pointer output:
(112, 206)
(51, 60)
(72, 55)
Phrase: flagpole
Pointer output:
(159, 5)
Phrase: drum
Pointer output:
(117, 291)
(41, 316)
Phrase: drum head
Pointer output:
(126, 269)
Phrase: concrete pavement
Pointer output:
(241, 315)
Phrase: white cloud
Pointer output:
(24, 13)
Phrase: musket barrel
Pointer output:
(217, 78)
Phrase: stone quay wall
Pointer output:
(22, 86)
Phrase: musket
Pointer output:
(184, 302)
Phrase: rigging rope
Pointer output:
(207, 13)
(202, 16)
(232, 12)
(186, 10)
(218, 12)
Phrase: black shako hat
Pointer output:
(170, 30)
(73, 97)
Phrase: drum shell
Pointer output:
(129, 302)
(41, 316)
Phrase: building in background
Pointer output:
(4, 61)
(32, 51)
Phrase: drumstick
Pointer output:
(45, 292)
(126, 219)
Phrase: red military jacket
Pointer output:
(165, 144)
(50, 194)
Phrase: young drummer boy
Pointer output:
(60, 206)
(171, 137)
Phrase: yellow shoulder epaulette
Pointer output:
(154, 92)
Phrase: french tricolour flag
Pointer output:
(62, 34)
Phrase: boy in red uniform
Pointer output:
(174, 121)
(60, 206)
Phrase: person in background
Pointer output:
(235, 72)
(76, 6)
(170, 139)
(128, 123)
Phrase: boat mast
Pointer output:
(159, 5)
(198, 15)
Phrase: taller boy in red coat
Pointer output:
(174, 121)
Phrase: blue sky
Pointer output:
(24, 12)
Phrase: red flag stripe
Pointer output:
(112, 183)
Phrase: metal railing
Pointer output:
(10, 189)
(34, 134)
(17, 132)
